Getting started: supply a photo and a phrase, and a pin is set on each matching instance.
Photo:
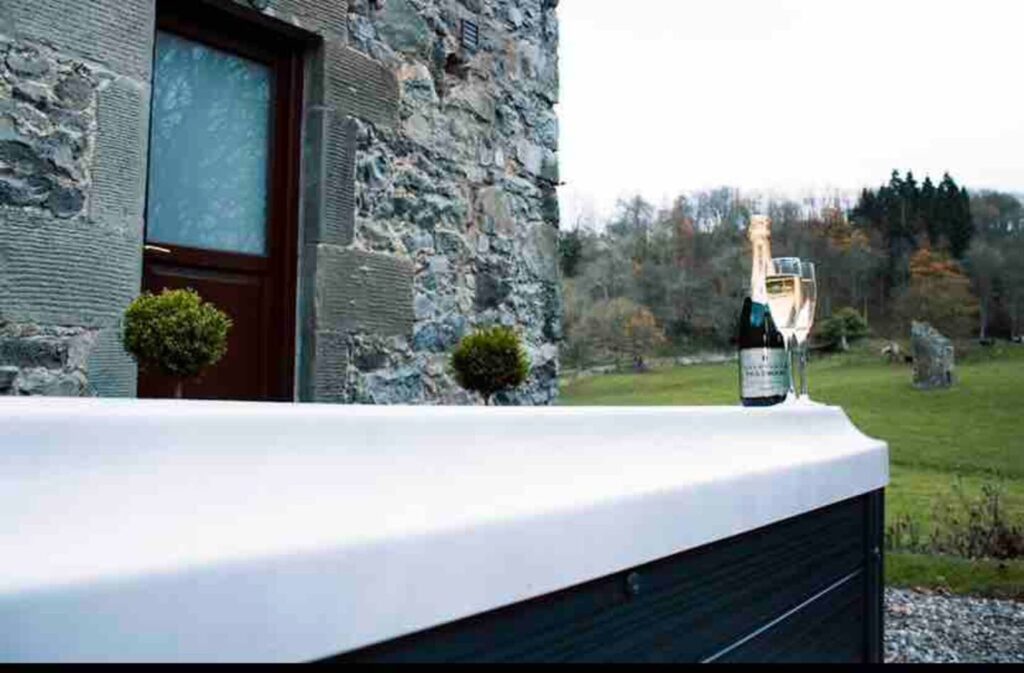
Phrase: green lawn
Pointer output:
(998, 579)
(976, 429)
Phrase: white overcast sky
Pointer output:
(660, 97)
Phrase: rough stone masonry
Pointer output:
(428, 196)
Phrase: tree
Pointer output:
(892, 211)
(688, 264)
(570, 252)
(953, 217)
(961, 227)
(997, 215)
(620, 327)
(842, 328)
(929, 211)
(633, 225)
(577, 348)
(606, 272)
(722, 209)
(1013, 284)
(986, 267)
(849, 266)
(939, 293)
(643, 333)
(906, 217)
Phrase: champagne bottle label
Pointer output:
(764, 372)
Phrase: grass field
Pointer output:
(975, 429)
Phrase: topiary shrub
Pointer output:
(490, 361)
(175, 333)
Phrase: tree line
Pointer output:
(672, 279)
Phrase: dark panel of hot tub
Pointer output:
(804, 589)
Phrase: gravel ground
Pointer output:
(934, 628)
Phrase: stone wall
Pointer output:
(47, 132)
(428, 206)
(74, 96)
(462, 187)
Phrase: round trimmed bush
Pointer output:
(490, 361)
(175, 333)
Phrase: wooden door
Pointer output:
(222, 202)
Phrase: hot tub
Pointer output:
(137, 530)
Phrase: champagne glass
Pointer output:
(805, 318)
(784, 287)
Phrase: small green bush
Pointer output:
(175, 333)
(490, 361)
(963, 526)
(841, 329)
(977, 527)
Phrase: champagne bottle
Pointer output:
(764, 367)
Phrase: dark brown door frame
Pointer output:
(220, 27)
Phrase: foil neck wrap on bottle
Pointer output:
(760, 239)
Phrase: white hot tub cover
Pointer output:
(137, 530)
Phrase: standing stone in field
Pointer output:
(933, 357)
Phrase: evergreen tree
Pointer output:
(945, 204)
(954, 217)
(570, 252)
(906, 216)
(928, 212)
(898, 201)
(913, 206)
(961, 227)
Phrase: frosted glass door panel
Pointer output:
(209, 146)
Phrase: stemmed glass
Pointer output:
(805, 317)
(784, 288)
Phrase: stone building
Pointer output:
(357, 182)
